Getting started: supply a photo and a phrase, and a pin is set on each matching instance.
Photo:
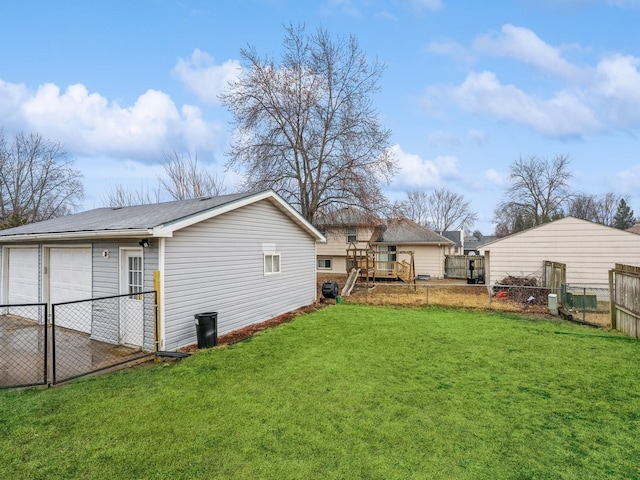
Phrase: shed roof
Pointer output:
(158, 220)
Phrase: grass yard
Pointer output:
(349, 392)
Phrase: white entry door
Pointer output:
(131, 306)
(69, 280)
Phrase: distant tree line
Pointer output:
(540, 192)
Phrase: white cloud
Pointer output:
(616, 87)
(203, 77)
(495, 177)
(415, 172)
(440, 138)
(628, 181)
(615, 3)
(562, 115)
(478, 137)
(88, 124)
(451, 49)
(433, 5)
(524, 45)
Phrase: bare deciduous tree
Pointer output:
(599, 209)
(415, 207)
(186, 179)
(37, 181)
(539, 193)
(306, 127)
(121, 196)
(441, 210)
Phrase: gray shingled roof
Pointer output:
(137, 217)
(404, 230)
(346, 217)
(472, 243)
(454, 236)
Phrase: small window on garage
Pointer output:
(324, 264)
(271, 263)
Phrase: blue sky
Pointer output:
(469, 87)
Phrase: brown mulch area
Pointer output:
(247, 332)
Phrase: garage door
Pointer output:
(70, 279)
(22, 279)
(23, 275)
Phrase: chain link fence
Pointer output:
(24, 345)
(80, 338)
(101, 333)
(504, 298)
(589, 304)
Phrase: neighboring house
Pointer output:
(458, 238)
(472, 245)
(588, 249)
(350, 228)
(249, 257)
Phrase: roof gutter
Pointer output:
(129, 233)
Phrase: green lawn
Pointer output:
(349, 392)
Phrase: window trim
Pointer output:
(268, 263)
(324, 260)
(353, 235)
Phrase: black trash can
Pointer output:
(330, 289)
(207, 329)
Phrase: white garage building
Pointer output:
(249, 257)
(588, 249)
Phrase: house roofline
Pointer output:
(167, 229)
(81, 235)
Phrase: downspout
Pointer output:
(158, 284)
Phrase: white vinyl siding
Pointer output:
(428, 259)
(589, 250)
(218, 265)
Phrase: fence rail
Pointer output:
(506, 298)
(81, 337)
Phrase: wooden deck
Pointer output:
(371, 269)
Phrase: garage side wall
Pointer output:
(218, 265)
(589, 250)
(106, 271)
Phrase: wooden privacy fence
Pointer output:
(624, 287)
(470, 267)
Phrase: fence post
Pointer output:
(53, 344)
(612, 300)
(46, 345)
